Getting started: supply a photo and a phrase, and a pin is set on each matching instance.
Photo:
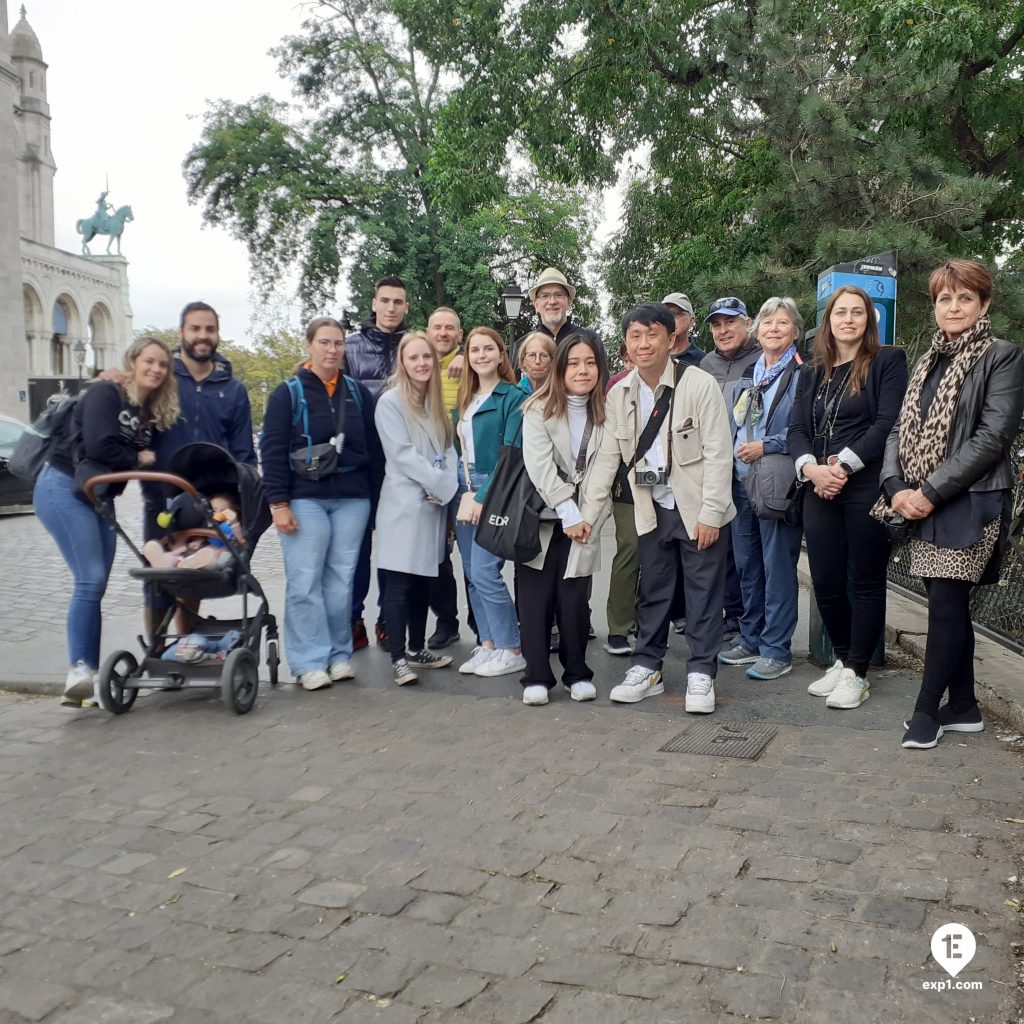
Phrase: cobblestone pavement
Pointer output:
(445, 854)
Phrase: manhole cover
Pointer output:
(725, 739)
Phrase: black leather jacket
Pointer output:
(985, 421)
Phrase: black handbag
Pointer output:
(509, 525)
(316, 461)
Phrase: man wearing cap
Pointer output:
(683, 350)
(552, 295)
(735, 353)
(670, 426)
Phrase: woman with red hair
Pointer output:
(947, 474)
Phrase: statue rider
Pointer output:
(103, 208)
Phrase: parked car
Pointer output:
(15, 494)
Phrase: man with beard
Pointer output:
(552, 297)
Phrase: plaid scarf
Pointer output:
(924, 440)
(752, 399)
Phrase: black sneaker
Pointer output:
(403, 673)
(967, 721)
(442, 638)
(922, 733)
(730, 628)
(679, 626)
(425, 659)
(616, 644)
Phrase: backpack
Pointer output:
(39, 440)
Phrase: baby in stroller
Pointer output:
(182, 549)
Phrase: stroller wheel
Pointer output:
(114, 673)
(240, 680)
(273, 660)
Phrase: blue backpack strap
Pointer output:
(355, 391)
(300, 411)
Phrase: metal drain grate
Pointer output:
(725, 739)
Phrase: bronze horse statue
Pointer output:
(98, 224)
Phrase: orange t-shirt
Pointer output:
(331, 384)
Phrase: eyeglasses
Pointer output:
(730, 302)
(537, 357)
(329, 344)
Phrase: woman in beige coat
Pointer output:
(562, 428)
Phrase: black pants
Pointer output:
(844, 541)
(444, 595)
(949, 651)
(543, 595)
(406, 598)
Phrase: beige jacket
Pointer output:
(701, 472)
(551, 463)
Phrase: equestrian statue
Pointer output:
(105, 221)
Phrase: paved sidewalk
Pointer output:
(442, 853)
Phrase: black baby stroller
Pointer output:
(196, 473)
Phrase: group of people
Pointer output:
(714, 468)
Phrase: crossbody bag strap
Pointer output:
(666, 401)
(581, 455)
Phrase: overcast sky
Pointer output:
(128, 82)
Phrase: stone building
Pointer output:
(60, 313)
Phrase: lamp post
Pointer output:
(79, 352)
(264, 388)
(512, 300)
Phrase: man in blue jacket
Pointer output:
(370, 359)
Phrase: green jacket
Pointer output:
(499, 421)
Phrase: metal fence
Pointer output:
(998, 610)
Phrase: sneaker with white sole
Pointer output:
(827, 683)
(737, 655)
(850, 692)
(966, 721)
(479, 656)
(923, 732)
(79, 685)
(428, 659)
(341, 670)
(700, 693)
(535, 695)
(403, 673)
(640, 682)
(584, 689)
(504, 663)
(617, 644)
(314, 679)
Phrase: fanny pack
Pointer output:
(316, 461)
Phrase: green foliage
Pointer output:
(364, 175)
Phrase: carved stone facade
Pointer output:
(60, 313)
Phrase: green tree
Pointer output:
(353, 178)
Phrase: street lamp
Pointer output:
(512, 300)
(264, 388)
(79, 351)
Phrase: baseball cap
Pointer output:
(680, 300)
(729, 306)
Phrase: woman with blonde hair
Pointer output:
(111, 430)
(487, 416)
(419, 481)
(536, 353)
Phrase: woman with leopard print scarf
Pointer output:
(947, 472)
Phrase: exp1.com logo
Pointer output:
(953, 947)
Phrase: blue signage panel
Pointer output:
(877, 276)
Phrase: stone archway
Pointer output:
(66, 328)
(101, 336)
(35, 329)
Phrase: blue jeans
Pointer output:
(319, 565)
(492, 605)
(766, 552)
(87, 544)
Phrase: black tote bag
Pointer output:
(509, 524)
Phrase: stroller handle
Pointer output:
(142, 475)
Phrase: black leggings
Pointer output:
(843, 541)
(949, 651)
(406, 600)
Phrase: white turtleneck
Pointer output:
(568, 511)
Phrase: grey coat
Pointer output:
(411, 530)
(985, 422)
(728, 371)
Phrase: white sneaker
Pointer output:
(341, 670)
(700, 694)
(315, 679)
(640, 682)
(480, 655)
(583, 690)
(536, 695)
(503, 663)
(850, 692)
(827, 683)
(79, 685)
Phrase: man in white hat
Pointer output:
(552, 295)
(683, 350)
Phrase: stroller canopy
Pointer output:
(211, 470)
